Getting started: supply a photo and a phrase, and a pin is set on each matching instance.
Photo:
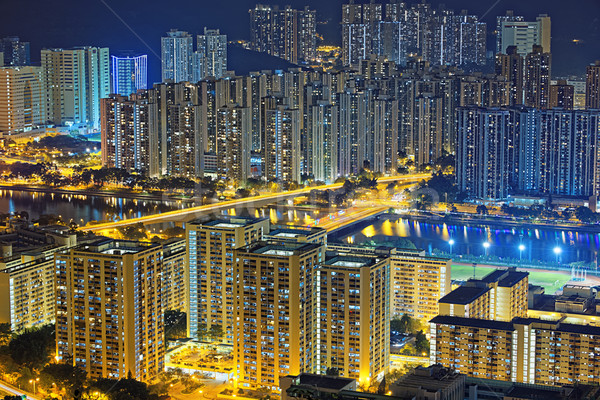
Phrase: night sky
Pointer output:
(67, 23)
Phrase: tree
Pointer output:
(482, 209)
(242, 193)
(332, 371)
(421, 343)
(5, 333)
(133, 232)
(391, 188)
(408, 349)
(175, 231)
(404, 324)
(423, 202)
(202, 331)
(64, 376)
(175, 324)
(33, 347)
(124, 389)
(215, 332)
(584, 214)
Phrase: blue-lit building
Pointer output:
(129, 74)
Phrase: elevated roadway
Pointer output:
(192, 213)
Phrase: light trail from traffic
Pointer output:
(190, 213)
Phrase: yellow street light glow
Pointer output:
(156, 218)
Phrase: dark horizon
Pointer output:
(72, 23)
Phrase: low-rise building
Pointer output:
(435, 382)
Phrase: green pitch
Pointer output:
(551, 281)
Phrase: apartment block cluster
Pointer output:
(502, 328)
(284, 32)
(65, 89)
(397, 30)
(286, 300)
(289, 302)
(181, 63)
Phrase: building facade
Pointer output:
(284, 32)
(524, 35)
(272, 311)
(109, 310)
(22, 99)
(350, 329)
(129, 74)
(177, 51)
(210, 276)
(75, 80)
(211, 55)
(16, 52)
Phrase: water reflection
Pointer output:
(468, 239)
(83, 208)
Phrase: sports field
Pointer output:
(550, 280)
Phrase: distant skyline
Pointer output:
(70, 23)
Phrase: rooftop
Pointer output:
(505, 277)
(115, 247)
(323, 381)
(349, 261)
(227, 221)
(472, 322)
(283, 249)
(295, 231)
(464, 295)
(430, 378)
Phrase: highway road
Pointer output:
(17, 392)
(189, 214)
(350, 218)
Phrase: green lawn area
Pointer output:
(551, 281)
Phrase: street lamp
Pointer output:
(521, 248)
(486, 246)
(451, 243)
(557, 250)
(33, 381)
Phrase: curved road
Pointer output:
(192, 212)
(17, 392)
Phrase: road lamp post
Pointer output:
(451, 243)
(33, 381)
(557, 250)
(486, 246)
(521, 248)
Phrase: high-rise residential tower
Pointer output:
(592, 86)
(273, 311)
(16, 53)
(211, 54)
(22, 99)
(524, 35)
(125, 134)
(562, 95)
(109, 312)
(284, 32)
(510, 66)
(351, 296)
(75, 81)
(129, 74)
(177, 50)
(536, 81)
(211, 272)
(482, 157)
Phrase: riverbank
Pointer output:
(100, 193)
(504, 221)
